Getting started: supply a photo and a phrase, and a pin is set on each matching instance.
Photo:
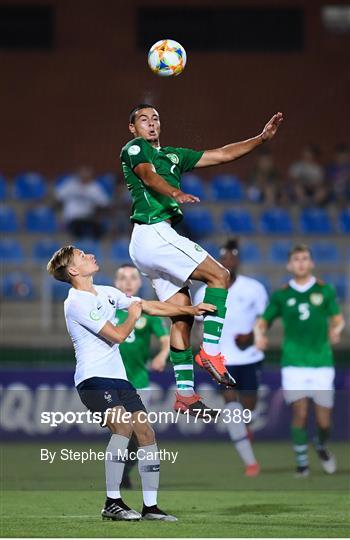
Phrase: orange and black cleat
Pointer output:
(194, 406)
(215, 367)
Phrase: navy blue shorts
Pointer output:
(101, 393)
(246, 376)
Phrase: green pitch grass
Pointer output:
(205, 489)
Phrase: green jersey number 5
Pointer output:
(304, 311)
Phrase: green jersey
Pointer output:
(305, 320)
(135, 350)
(148, 206)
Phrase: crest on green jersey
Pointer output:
(94, 315)
(174, 158)
(141, 323)
(134, 150)
(316, 299)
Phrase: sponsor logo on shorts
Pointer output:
(134, 150)
(174, 158)
(291, 302)
(94, 315)
(107, 397)
(316, 299)
(197, 247)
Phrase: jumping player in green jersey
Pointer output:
(136, 349)
(153, 173)
(312, 322)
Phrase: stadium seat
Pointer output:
(10, 251)
(325, 253)
(61, 178)
(193, 184)
(89, 247)
(276, 221)
(30, 186)
(211, 248)
(279, 251)
(41, 220)
(8, 219)
(249, 253)
(108, 182)
(315, 221)
(44, 249)
(341, 283)
(237, 221)
(227, 187)
(120, 250)
(17, 286)
(344, 221)
(3, 188)
(199, 221)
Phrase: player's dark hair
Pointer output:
(138, 108)
(232, 244)
(59, 262)
(299, 248)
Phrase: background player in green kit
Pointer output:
(136, 349)
(153, 173)
(312, 322)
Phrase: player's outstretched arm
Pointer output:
(118, 334)
(260, 337)
(151, 179)
(166, 309)
(236, 150)
(337, 325)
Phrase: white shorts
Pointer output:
(314, 383)
(164, 256)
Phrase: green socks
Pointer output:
(321, 438)
(183, 367)
(213, 323)
(299, 438)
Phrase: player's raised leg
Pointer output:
(217, 279)
(181, 356)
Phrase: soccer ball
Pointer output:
(167, 57)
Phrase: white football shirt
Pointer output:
(246, 300)
(85, 315)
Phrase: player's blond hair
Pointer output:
(59, 262)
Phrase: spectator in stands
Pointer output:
(308, 185)
(264, 180)
(338, 174)
(83, 202)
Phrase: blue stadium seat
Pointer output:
(17, 286)
(3, 188)
(103, 279)
(315, 221)
(199, 221)
(41, 220)
(61, 178)
(249, 253)
(59, 290)
(237, 221)
(44, 249)
(211, 247)
(30, 186)
(227, 187)
(10, 251)
(193, 184)
(89, 247)
(344, 221)
(279, 251)
(108, 182)
(341, 283)
(120, 250)
(276, 221)
(8, 219)
(325, 252)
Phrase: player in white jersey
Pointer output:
(246, 300)
(100, 375)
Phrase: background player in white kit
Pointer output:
(246, 301)
(100, 376)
